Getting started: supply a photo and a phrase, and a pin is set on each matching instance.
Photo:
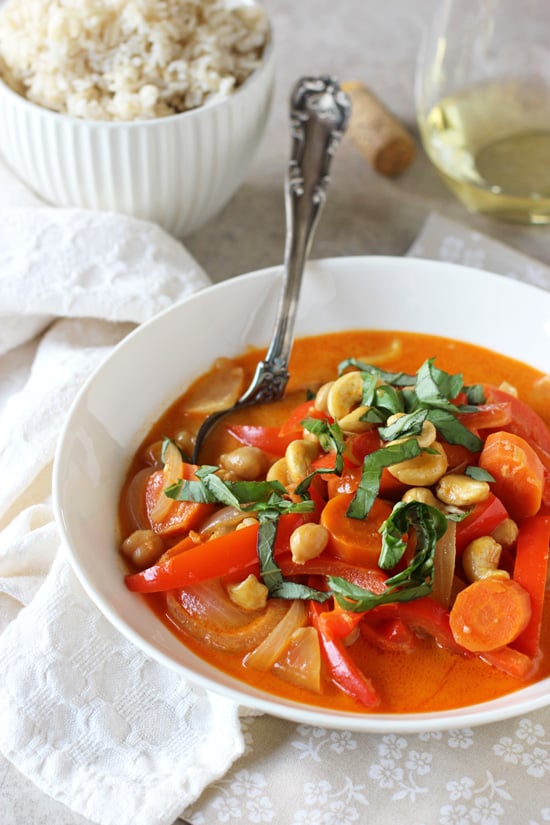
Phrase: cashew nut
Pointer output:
(299, 455)
(345, 394)
(423, 470)
(481, 558)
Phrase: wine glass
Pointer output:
(483, 105)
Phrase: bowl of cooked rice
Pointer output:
(150, 108)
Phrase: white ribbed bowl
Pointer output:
(178, 171)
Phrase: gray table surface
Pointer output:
(367, 40)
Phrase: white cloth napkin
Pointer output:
(84, 714)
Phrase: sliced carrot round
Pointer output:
(357, 541)
(517, 471)
(489, 614)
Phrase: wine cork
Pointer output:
(376, 133)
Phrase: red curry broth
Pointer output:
(430, 678)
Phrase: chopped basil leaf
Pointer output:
(406, 425)
(389, 399)
(478, 473)
(475, 394)
(370, 382)
(331, 439)
(190, 491)
(453, 431)
(373, 465)
(436, 388)
(245, 495)
(330, 435)
(416, 580)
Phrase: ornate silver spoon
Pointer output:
(319, 115)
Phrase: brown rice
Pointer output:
(128, 59)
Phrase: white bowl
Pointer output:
(125, 396)
(178, 171)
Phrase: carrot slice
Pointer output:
(517, 470)
(489, 614)
(357, 541)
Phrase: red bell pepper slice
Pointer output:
(293, 425)
(488, 415)
(364, 444)
(525, 421)
(431, 618)
(227, 555)
(481, 521)
(268, 439)
(530, 571)
(384, 628)
(371, 578)
(343, 670)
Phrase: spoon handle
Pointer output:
(319, 115)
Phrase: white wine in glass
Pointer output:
(483, 105)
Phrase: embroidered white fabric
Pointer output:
(90, 719)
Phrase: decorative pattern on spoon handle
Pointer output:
(319, 115)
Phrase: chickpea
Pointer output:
(308, 541)
(143, 548)
(247, 463)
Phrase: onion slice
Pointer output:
(172, 473)
(266, 654)
(444, 565)
(206, 613)
(300, 664)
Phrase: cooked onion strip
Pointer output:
(220, 522)
(217, 390)
(265, 655)
(172, 473)
(393, 351)
(206, 612)
(134, 500)
(444, 565)
(300, 664)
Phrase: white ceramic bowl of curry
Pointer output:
(124, 398)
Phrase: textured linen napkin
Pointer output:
(84, 714)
